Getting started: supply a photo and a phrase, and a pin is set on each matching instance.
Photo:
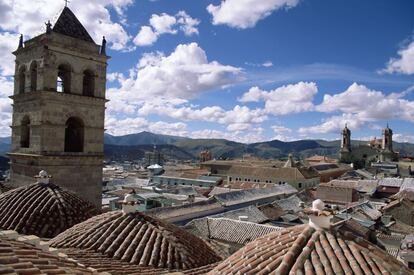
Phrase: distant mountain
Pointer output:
(5, 143)
(5, 140)
(134, 146)
(4, 163)
(142, 138)
(135, 152)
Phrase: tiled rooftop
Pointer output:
(4, 187)
(237, 231)
(305, 250)
(243, 196)
(390, 182)
(19, 256)
(42, 209)
(136, 239)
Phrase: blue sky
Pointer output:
(241, 69)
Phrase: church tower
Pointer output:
(387, 139)
(59, 108)
(387, 152)
(345, 142)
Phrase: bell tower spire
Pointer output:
(59, 108)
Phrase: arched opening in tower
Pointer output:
(33, 76)
(63, 79)
(88, 83)
(25, 133)
(74, 135)
(22, 80)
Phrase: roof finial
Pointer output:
(346, 124)
(103, 46)
(43, 177)
(20, 41)
(48, 27)
(129, 203)
(66, 3)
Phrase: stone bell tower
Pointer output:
(345, 143)
(387, 152)
(59, 108)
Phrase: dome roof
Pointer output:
(305, 250)
(42, 209)
(20, 257)
(137, 239)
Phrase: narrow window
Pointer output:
(74, 133)
(63, 79)
(33, 77)
(25, 133)
(88, 83)
(22, 80)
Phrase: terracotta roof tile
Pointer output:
(18, 257)
(237, 231)
(44, 210)
(305, 250)
(136, 239)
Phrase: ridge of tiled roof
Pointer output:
(136, 239)
(68, 24)
(42, 209)
(28, 255)
(305, 250)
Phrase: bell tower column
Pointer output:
(59, 126)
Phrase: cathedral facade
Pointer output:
(59, 108)
(380, 150)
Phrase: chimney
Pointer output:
(129, 204)
(319, 216)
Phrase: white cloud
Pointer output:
(361, 107)
(333, 125)
(403, 138)
(237, 119)
(145, 37)
(252, 136)
(163, 85)
(404, 63)
(6, 89)
(187, 24)
(279, 129)
(20, 17)
(288, 99)
(282, 133)
(165, 23)
(267, 64)
(134, 125)
(8, 44)
(369, 105)
(246, 13)
(184, 74)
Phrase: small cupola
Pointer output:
(43, 177)
(319, 216)
(129, 204)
